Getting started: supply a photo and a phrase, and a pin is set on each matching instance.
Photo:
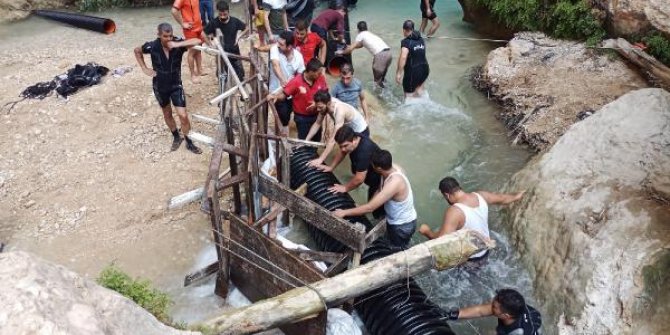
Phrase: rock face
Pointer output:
(40, 297)
(546, 85)
(594, 225)
(11, 10)
(483, 21)
(629, 17)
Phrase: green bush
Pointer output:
(138, 290)
(98, 5)
(569, 19)
(658, 46)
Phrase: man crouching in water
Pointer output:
(166, 54)
(467, 210)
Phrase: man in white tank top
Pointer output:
(467, 210)
(396, 197)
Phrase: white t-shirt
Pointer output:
(372, 42)
(288, 67)
(275, 4)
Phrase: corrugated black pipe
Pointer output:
(400, 308)
(99, 24)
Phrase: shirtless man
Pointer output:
(342, 114)
(396, 198)
(467, 210)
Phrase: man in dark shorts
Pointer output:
(360, 149)
(230, 27)
(166, 54)
(412, 62)
(515, 317)
(428, 13)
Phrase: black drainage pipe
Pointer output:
(399, 308)
(99, 24)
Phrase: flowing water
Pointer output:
(455, 133)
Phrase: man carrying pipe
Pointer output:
(187, 14)
(360, 149)
(166, 55)
(396, 198)
(467, 210)
(380, 51)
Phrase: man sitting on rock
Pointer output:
(467, 210)
(515, 317)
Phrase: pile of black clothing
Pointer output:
(67, 84)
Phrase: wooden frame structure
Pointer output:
(245, 232)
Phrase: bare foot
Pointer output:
(194, 79)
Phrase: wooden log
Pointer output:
(376, 232)
(351, 235)
(231, 70)
(229, 92)
(221, 236)
(230, 181)
(640, 58)
(442, 253)
(200, 274)
(274, 212)
(338, 266)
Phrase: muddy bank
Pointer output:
(546, 85)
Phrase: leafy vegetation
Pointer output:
(98, 5)
(138, 290)
(658, 46)
(569, 19)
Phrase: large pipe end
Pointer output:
(335, 65)
(109, 27)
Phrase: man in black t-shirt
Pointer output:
(360, 149)
(230, 27)
(166, 53)
(413, 66)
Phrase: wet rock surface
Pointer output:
(593, 227)
(41, 297)
(545, 85)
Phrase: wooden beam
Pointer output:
(376, 232)
(201, 138)
(229, 92)
(293, 140)
(200, 274)
(231, 70)
(205, 119)
(215, 52)
(321, 256)
(221, 237)
(351, 235)
(640, 58)
(190, 196)
(338, 266)
(230, 181)
(269, 217)
(442, 253)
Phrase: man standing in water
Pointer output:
(467, 210)
(428, 13)
(380, 51)
(396, 197)
(515, 317)
(187, 14)
(412, 67)
(166, 54)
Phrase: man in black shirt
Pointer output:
(412, 64)
(509, 306)
(166, 53)
(230, 26)
(360, 149)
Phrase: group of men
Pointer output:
(298, 87)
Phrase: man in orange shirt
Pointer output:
(187, 14)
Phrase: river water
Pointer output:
(455, 133)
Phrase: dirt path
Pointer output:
(85, 182)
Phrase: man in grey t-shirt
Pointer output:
(350, 90)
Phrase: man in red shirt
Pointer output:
(308, 43)
(187, 14)
(302, 88)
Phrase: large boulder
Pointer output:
(545, 85)
(43, 298)
(594, 227)
(635, 17)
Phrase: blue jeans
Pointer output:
(206, 11)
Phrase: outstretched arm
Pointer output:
(501, 198)
(351, 48)
(476, 311)
(187, 43)
(391, 187)
(453, 221)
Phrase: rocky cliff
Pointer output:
(594, 227)
(43, 298)
(545, 85)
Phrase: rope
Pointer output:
(466, 39)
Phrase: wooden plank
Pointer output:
(338, 266)
(230, 181)
(269, 217)
(200, 274)
(640, 58)
(376, 232)
(351, 235)
(221, 236)
(257, 284)
(191, 196)
(321, 256)
(293, 140)
(205, 119)
(201, 138)
(231, 70)
(215, 52)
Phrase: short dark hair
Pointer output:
(449, 185)
(322, 96)
(382, 159)
(511, 302)
(164, 28)
(345, 134)
(222, 5)
(288, 37)
(362, 26)
(300, 24)
(346, 68)
(313, 65)
(408, 25)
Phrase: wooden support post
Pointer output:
(191, 196)
(221, 236)
(231, 70)
(285, 173)
(442, 253)
(319, 256)
(202, 273)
